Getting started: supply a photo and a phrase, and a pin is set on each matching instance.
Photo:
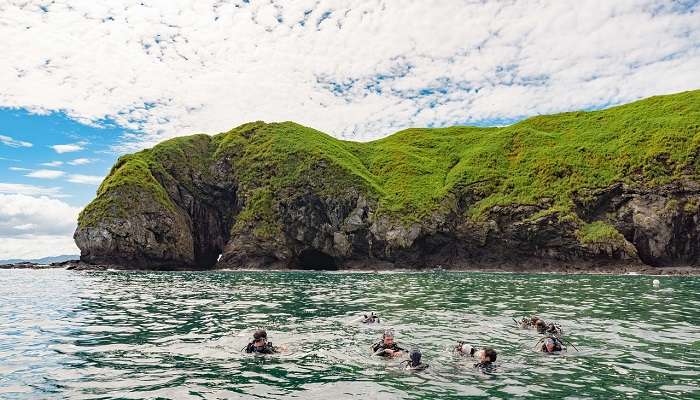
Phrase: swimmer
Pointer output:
(387, 347)
(552, 328)
(464, 349)
(370, 319)
(486, 357)
(414, 362)
(541, 326)
(552, 345)
(527, 323)
(260, 345)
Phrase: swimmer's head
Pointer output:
(415, 356)
(259, 338)
(540, 325)
(488, 355)
(550, 344)
(388, 337)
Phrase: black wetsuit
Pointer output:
(370, 320)
(267, 349)
(418, 367)
(380, 346)
(484, 365)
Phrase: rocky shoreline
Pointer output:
(30, 265)
(633, 269)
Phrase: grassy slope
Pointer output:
(410, 172)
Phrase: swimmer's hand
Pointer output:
(392, 353)
(282, 348)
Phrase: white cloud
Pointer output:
(32, 227)
(19, 169)
(67, 148)
(81, 161)
(45, 174)
(358, 68)
(36, 246)
(85, 179)
(25, 227)
(53, 164)
(8, 141)
(30, 190)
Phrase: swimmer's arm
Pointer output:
(282, 348)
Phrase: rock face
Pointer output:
(285, 196)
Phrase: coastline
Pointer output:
(621, 270)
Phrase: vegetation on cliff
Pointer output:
(414, 172)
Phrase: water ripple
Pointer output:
(179, 335)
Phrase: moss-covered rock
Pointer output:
(264, 194)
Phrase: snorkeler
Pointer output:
(527, 323)
(464, 349)
(414, 361)
(370, 319)
(387, 347)
(486, 356)
(541, 326)
(260, 345)
(552, 344)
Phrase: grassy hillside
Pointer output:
(409, 173)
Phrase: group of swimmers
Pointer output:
(387, 347)
(552, 342)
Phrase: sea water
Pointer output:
(104, 335)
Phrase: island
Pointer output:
(608, 189)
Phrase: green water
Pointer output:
(106, 335)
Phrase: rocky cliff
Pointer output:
(611, 187)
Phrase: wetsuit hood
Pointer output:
(415, 356)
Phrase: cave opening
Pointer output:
(311, 259)
(207, 258)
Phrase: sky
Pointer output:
(84, 81)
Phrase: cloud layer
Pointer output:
(357, 69)
(35, 226)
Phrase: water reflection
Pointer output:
(180, 335)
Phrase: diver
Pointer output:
(527, 323)
(464, 349)
(550, 328)
(486, 357)
(260, 345)
(414, 361)
(552, 344)
(387, 347)
(541, 326)
(370, 319)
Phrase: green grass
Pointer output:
(599, 233)
(415, 172)
(123, 192)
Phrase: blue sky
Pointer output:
(95, 156)
(118, 76)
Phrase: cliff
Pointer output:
(610, 187)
